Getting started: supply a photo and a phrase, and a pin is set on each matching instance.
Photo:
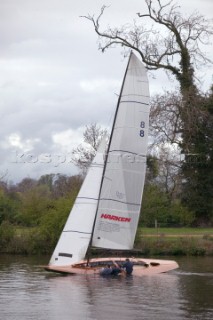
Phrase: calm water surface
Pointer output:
(29, 292)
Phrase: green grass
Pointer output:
(175, 241)
(152, 232)
(20, 231)
(179, 232)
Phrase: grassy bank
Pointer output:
(175, 241)
(149, 241)
(176, 232)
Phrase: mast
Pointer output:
(106, 158)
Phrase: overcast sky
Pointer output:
(54, 81)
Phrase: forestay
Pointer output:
(121, 191)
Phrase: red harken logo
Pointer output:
(115, 218)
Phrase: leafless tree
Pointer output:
(167, 130)
(169, 170)
(165, 122)
(173, 42)
(64, 186)
(83, 155)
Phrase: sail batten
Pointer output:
(134, 101)
(76, 231)
(126, 151)
(124, 202)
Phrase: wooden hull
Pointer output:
(141, 266)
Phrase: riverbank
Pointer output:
(175, 241)
(149, 242)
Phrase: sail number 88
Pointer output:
(142, 126)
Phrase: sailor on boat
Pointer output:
(116, 269)
(128, 266)
(111, 270)
(106, 271)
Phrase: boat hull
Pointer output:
(141, 266)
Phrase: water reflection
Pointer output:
(110, 298)
(196, 285)
(28, 292)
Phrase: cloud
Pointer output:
(68, 139)
(99, 84)
(14, 140)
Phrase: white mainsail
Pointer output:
(122, 187)
(76, 235)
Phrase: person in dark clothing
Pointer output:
(111, 270)
(128, 266)
(106, 271)
(115, 269)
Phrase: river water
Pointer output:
(29, 292)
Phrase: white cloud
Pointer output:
(68, 139)
(99, 84)
(15, 141)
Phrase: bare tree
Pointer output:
(169, 173)
(83, 155)
(66, 186)
(25, 185)
(172, 43)
(165, 122)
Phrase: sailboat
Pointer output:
(107, 208)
